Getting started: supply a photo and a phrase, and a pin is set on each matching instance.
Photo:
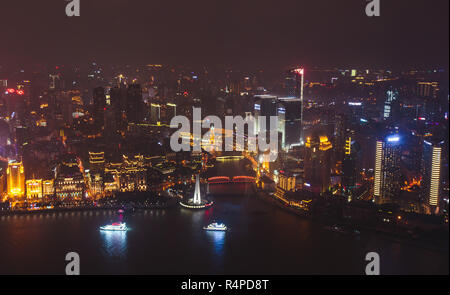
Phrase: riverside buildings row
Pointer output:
(359, 134)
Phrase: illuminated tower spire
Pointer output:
(197, 198)
(301, 72)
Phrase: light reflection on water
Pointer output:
(217, 239)
(173, 241)
(114, 243)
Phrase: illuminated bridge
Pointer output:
(226, 179)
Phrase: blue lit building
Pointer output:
(387, 179)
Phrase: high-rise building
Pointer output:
(281, 113)
(390, 102)
(292, 84)
(292, 119)
(378, 169)
(427, 89)
(118, 109)
(267, 106)
(350, 164)
(340, 137)
(170, 112)
(431, 172)
(155, 113)
(15, 181)
(301, 72)
(317, 163)
(134, 104)
(387, 179)
(99, 107)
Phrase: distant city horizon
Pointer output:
(288, 137)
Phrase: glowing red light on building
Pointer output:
(20, 92)
(11, 90)
(299, 71)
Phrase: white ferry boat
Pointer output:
(216, 226)
(116, 226)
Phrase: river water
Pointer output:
(262, 239)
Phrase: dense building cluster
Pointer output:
(71, 134)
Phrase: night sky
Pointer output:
(234, 32)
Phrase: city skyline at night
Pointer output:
(217, 139)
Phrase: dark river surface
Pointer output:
(262, 239)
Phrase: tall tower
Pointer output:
(389, 104)
(15, 180)
(197, 197)
(155, 113)
(378, 166)
(317, 163)
(301, 72)
(349, 163)
(387, 169)
(431, 172)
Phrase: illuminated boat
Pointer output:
(216, 226)
(116, 226)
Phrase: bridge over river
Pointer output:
(231, 176)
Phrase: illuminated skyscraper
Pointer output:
(267, 106)
(16, 181)
(350, 163)
(431, 172)
(377, 170)
(170, 112)
(155, 113)
(292, 119)
(301, 72)
(281, 112)
(317, 163)
(292, 84)
(391, 97)
(427, 89)
(387, 178)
